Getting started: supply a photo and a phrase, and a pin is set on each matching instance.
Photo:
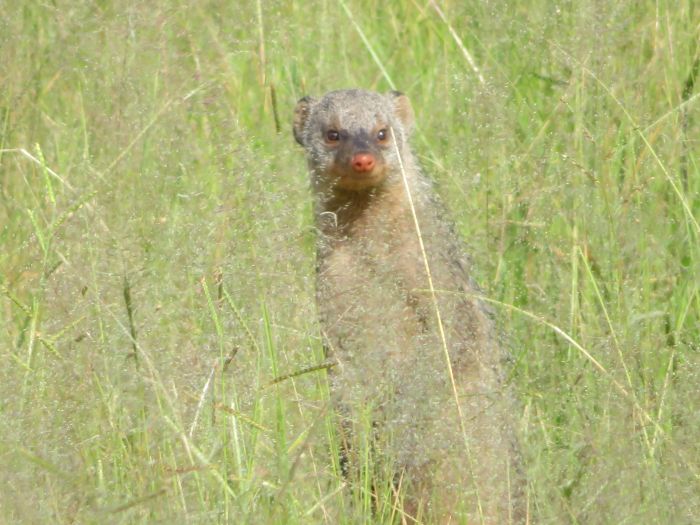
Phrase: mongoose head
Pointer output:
(348, 137)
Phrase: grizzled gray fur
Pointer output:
(379, 318)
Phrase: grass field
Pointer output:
(157, 248)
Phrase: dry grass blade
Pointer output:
(465, 52)
(438, 316)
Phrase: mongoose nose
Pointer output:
(362, 162)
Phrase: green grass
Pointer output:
(156, 249)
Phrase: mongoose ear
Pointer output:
(403, 110)
(301, 115)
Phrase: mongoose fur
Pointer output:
(379, 316)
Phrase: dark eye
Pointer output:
(382, 135)
(332, 135)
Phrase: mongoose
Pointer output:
(447, 433)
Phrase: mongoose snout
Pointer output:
(357, 164)
(363, 162)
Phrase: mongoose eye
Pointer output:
(332, 135)
(382, 135)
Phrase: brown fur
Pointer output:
(379, 317)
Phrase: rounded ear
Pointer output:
(403, 110)
(301, 115)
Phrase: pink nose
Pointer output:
(363, 162)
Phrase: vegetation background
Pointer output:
(157, 247)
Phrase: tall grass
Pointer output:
(156, 265)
